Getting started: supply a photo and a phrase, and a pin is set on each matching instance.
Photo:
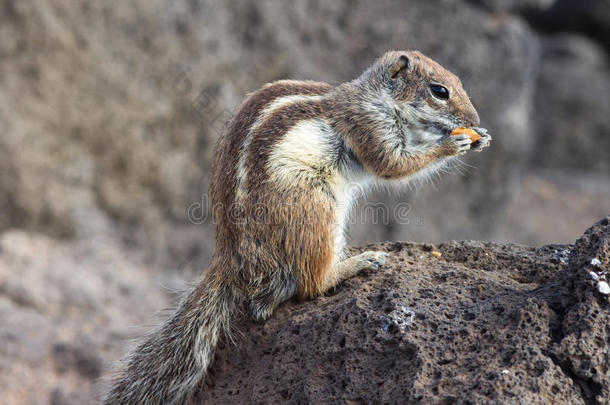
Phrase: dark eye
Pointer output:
(439, 92)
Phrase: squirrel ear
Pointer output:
(401, 65)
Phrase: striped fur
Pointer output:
(282, 187)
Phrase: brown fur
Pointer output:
(277, 188)
(223, 191)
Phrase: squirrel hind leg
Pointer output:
(267, 297)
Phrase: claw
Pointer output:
(462, 142)
(483, 142)
(480, 130)
(374, 260)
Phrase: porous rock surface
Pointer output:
(484, 323)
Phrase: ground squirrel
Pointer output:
(279, 181)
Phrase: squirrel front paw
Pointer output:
(483, 142)
(372, 260)
(458, 144)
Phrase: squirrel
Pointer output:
(279, 187)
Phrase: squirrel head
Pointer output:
(423, 91)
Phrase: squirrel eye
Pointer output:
(439, 92)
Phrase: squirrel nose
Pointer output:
(472, 118)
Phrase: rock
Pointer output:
(532, 215)
(485, 323)
(67, 310)
(590, 17)
(581, 347)
(518, 6)
(571, 131)
(113, 110)
(109, 114)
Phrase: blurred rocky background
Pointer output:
(109, 112)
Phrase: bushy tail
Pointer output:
(172, 360)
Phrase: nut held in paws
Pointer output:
(474, 136)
